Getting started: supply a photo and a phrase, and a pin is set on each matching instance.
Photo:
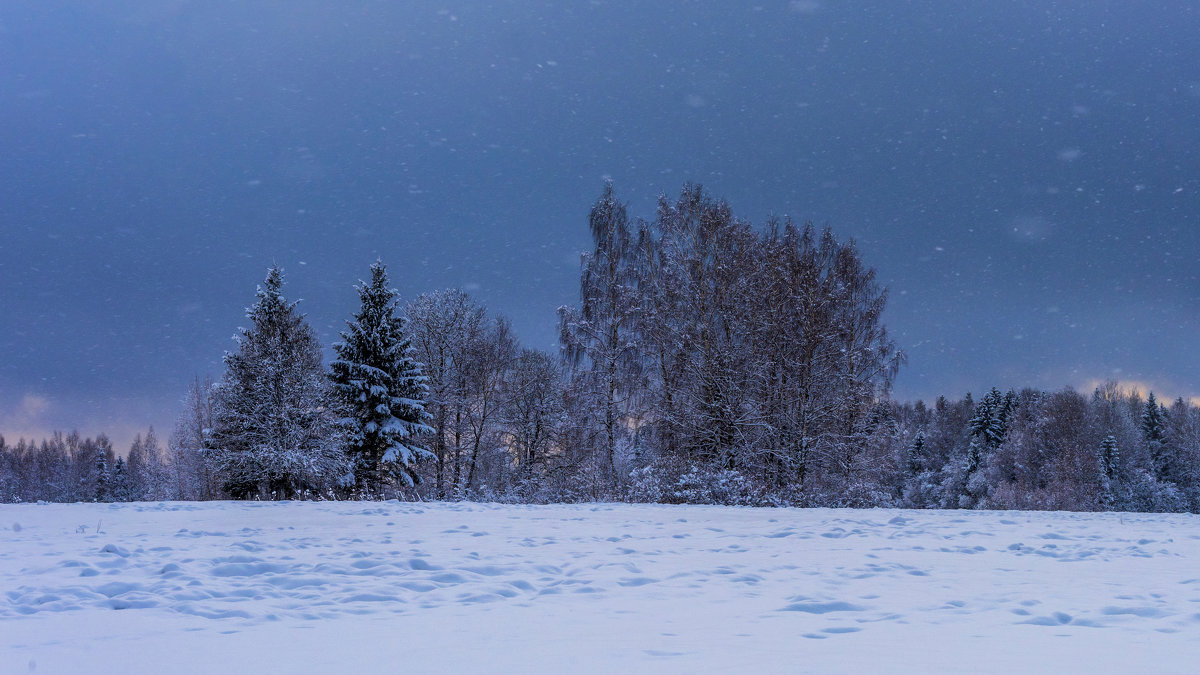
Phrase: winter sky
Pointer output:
(1025, 176)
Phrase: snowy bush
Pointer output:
(1149, 495)
(668, 482)
(713, 486)
(921, 491)
(645, 485)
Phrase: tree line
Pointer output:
(707, 361)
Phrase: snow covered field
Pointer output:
(400, 587)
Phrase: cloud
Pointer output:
(35, 417)
(27, 419)
(32, 406)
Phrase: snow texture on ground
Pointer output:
(391, 587)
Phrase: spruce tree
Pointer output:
(1109, 466)
(1154, 431)
(380, 390)
(974, 459)
(274, 431)
(120, 484)
(103, 492)
(1006, 410)
(973, 488)
(1109, 457)
(915, 460)
(1152, 421)
(989, 421)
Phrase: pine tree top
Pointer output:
(270, 293)
(1152, 419)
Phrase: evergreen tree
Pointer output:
(1154, 431)
(990, 419)
(915, 461)
(974, 485)
(122, 490)
(380, 389)
(974, 459)
(274, 431)
(1109, 457)
(104, 492)
(1179, 456)
(1109, 465)
(1152, 420)
(1007, 407)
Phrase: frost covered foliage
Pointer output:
(708, 361)
(669, 482)
(1061, 451)
(703, 341)
(145, 475)
(467, 359)
(69, 468)
(602, 330)
(380, 391)
(1047, 451)
(274, 434)
(62, 468)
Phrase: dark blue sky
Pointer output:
(1025, 176)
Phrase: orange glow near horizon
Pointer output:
(1142, 389)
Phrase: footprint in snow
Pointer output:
(822, 607)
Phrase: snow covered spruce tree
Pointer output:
(274, 430)
(1109, 461)
(380, 390)
(1154, 431)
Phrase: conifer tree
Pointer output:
(1109, 465)
(1152, 421)
(380, 390)
(1109, 457)
(274, 431)
(974, 459)
(1006, 409)
(990, 419)
(1154, 431)
(915, 460)
(973, 485)
(120, 483)
(103, 491)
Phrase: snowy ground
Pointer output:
(353, 587)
